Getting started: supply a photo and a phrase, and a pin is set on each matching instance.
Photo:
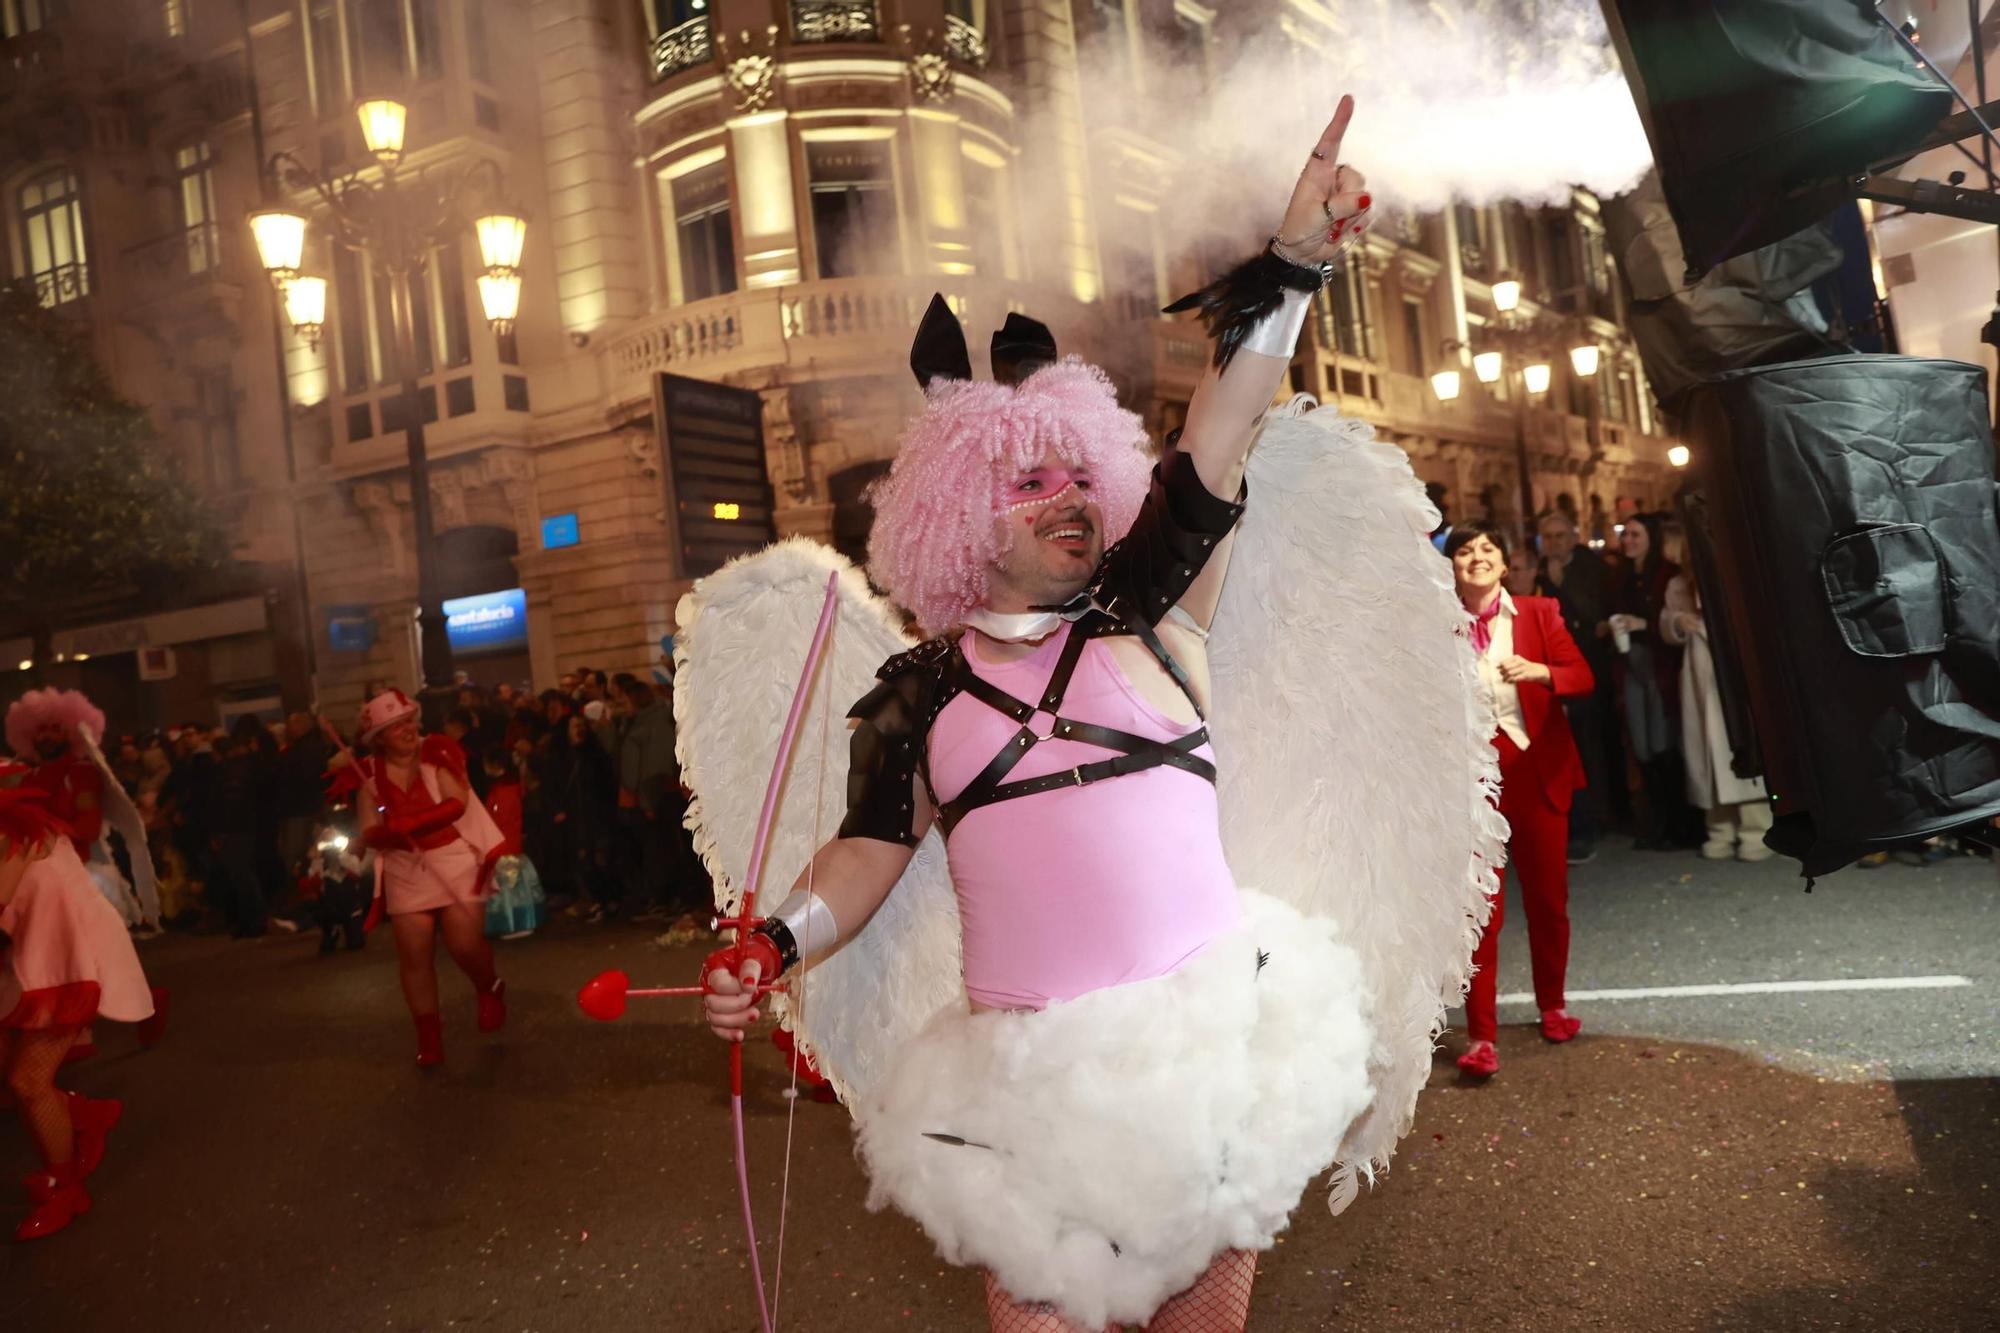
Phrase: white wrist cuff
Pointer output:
(1277, 334)
(811, 922)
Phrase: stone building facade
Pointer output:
(758, 193)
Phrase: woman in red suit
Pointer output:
(1527, 661)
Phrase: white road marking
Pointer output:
(1753, 988)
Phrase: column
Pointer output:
(760, 147)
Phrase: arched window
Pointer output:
(51, 211)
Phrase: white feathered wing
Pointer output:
(742, 640)
(139, 903)
(1356, 771)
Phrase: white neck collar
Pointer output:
(1014, 626)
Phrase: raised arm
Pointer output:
(1254, 313)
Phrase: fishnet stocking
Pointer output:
(1218, 1302)
(31, 1076)
(1009, 1316)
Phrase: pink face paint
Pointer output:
(1044, 486)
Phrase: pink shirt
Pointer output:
(1069, 891)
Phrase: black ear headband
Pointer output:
(1020, 347)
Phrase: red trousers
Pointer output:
(1538, 849)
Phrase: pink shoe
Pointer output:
(493, 1008)
(1558, 1026)
(1480, 1060)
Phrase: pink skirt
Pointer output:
(428, 881)
(71, 957)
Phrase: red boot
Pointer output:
(493, 1007)
(59, 1199)
(151, 1029)
(93, 1120)
(1558, 1026)
(430, 1041)
(1480, 1060)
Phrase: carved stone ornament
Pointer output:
(752, 71)
(930, 65)
(754, 80)
(930, 77)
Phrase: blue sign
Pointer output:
(492, 622)
(559, 530)
(350, 629)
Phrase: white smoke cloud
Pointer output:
(1513, 99)
(1473, 102)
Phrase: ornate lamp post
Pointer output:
(397, 219)
(1523, 347)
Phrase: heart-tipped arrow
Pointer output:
(603, 996)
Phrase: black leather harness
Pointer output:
(1134, 753)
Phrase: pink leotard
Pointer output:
(1065, 892)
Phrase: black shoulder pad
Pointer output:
(891, 723)
(930, 654)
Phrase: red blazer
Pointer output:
(1539, 636)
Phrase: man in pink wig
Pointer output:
(1054, 730)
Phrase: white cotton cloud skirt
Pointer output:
(1099, 1154)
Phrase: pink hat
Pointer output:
(385, 710)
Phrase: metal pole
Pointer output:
(267, 184)
(434, 644)
(1521, 461)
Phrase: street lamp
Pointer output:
(281, 242)
(397, 221)
(305, 307)
(1678, 455)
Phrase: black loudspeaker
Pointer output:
(1760, 111)
(1851, 502)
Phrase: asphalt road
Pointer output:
(1733, 1162)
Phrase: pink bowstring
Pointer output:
(759, 845)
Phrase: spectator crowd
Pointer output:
(583, 776)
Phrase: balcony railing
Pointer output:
(835, 21)
(62, 284)
(833, 323)
(171, 261)
(682, 47)
(963, 42)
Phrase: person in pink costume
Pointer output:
(1054, 730)
(65, 959)
(436, 847)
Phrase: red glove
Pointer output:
(342, 781)
(386, 837)
(434, 820)
(756, 948)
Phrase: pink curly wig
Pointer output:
(37, 707)
(934, 543)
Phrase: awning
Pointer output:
(245, 615)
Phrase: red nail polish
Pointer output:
(1338, 228)
(1366, 200)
